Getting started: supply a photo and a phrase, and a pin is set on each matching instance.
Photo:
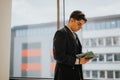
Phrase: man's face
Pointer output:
(77, 24)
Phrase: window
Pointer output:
(94, 74)
(87, 74)
(117, 57)
(90, 26)
(118, 23)
(109, 57)
(107, 25)
(97, 26)
(109, 74)
(93, 42)
(100, 41)
(117, 74)
(44, 35)
(116, 41)
(31, 38)
(84, 27)
(113, 24)
(86, 42)
(94, 60)
(102, 74)
(102, 25)
(108, 41)
(101, 57)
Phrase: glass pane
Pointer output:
(33, 27)
(101, 57)
(108, 41)
(32, 30)
(100, 41)
(117, 74)
(102, 74)
(118, 23)
(32, 12)
(86, 43)
(107, 25)
(93, 42)
(117, 57)
(116, 41)
(109, 57)
(110, 74)
(97, 29)
(113, 24)
(94, 74)
(87, 74)
(94, 60)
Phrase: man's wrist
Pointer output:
(77, 61)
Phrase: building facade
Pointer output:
(102, 36)
(31, 50)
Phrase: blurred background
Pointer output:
(34, 23)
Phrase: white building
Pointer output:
(100, 35)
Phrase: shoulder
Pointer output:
(61, 33)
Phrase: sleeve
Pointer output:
(59, 49)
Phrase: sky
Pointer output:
(44, 11)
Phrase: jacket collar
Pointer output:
(69, 32)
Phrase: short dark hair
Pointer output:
(78, 15)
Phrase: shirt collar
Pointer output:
(69, 29)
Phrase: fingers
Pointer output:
(84, 60)
(87, 58)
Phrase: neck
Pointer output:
(69, 26)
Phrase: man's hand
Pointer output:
(84, 60)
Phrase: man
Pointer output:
(65, 47)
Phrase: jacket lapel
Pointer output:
(70, 34)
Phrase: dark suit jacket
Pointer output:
(65, 48)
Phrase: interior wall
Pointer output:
(5, 28)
